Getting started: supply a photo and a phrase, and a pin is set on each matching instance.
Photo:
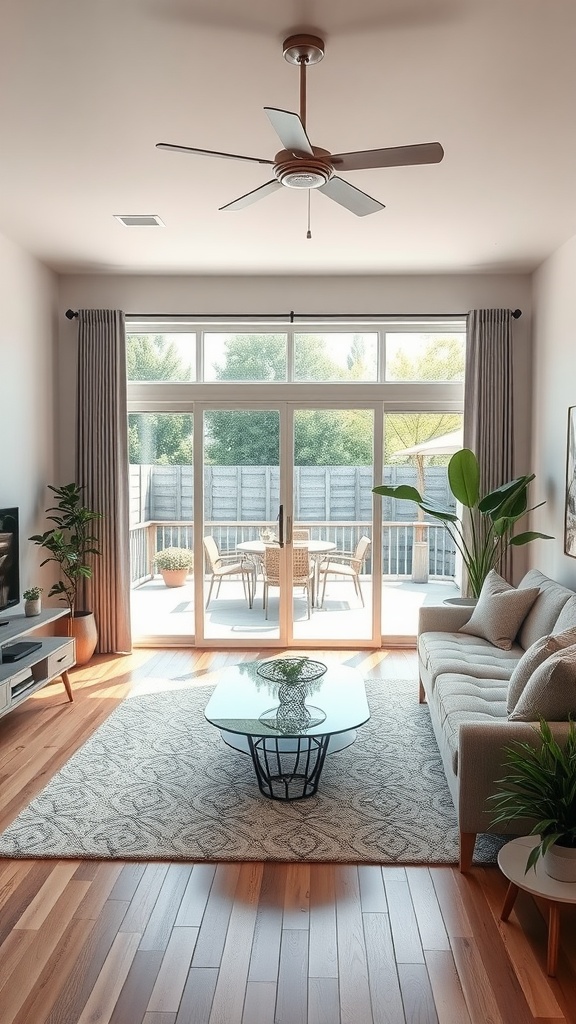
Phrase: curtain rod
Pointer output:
(291, 316)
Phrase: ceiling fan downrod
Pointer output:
(303, 50)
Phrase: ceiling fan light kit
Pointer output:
(300, 165)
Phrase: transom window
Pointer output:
(416, 351)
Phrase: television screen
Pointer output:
(9, 558)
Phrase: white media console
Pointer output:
(19, 679)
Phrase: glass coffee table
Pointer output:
(288, 757)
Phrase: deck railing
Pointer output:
(399, 540)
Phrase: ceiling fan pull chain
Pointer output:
(309, 233)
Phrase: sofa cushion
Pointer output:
(543, 615)
(466, 655)
(460, 699)
(550, 692)
(533, 658)
(500, 611)
(567, 617)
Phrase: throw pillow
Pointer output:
(551, 692)
(500, 610)
(533, 658)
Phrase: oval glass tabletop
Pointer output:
(241, 697)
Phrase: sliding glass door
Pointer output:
(285, 499)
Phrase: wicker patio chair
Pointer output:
(222, 566)
(348, 564)
(302, 573)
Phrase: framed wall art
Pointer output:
(570, 527)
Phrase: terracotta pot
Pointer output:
(174, 577)
(83, 629)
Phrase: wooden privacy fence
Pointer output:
(252, 493)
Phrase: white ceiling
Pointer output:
(87, 87)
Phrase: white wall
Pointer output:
(554, 390)
(27, 395)
(452, 294)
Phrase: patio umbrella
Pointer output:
(447, 444)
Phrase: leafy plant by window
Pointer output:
(172, 559)
(487, 532)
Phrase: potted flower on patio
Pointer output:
(174, 564)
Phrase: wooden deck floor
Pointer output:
(114, 943)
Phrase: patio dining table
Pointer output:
(256, 548)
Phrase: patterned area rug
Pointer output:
(156, 782)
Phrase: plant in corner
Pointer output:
(541, 785)
(485, 534)
(69, 543)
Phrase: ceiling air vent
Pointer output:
(141, 220)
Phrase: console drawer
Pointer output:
(4, 695)
(61, 659)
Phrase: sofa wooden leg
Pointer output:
(467, 843)
(421, 693)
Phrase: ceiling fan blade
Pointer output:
(352, 198)
(395, 156)
(252, 197)
(212, 152)
(290, 131)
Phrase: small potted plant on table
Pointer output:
(541, 786)
(175, 564)
(32, 601)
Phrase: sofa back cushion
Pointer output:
(538, 653)
(500, 611)
(567, 618)
(542, 617)
(550, 692)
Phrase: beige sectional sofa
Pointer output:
(465, 679)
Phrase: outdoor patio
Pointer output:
(160, 611)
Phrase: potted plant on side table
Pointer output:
(70, 543)
(541, 786)
(175, 564)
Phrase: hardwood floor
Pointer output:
(158, 943)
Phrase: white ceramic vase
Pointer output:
(33, 607)
(560, 863)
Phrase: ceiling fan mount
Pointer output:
(298, 48)
(299, 164)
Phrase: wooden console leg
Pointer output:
(421, 693)
(67, 686)
(509, 901)
(467, 843)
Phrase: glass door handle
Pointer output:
(281, 526)
(288, 529)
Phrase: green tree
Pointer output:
(163, 438)
(321, 437)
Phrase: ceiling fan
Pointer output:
(301, 165)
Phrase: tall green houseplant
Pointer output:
(486, 532)
(69, 542)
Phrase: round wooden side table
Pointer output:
(512, 863)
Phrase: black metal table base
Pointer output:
(288, 768)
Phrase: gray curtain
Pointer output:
(101, 466)
(488, 400)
